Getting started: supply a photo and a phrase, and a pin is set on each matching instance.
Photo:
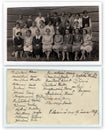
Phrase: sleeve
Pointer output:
(13, 33)
(53, 31)
(33, 41)
(61, 39)
(15, 41)
(43, 39)
(71, 39)
(90, 23)
(43, 19)
(51, 41)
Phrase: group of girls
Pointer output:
(65, 34)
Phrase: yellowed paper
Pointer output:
(52, 97)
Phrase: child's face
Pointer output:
(67, 31)
(49, 23)
(37, 32)
(28, 34)
(40, 14)
(77, 16)
(30, 17)
(18, 35)
(47, 31)
(76, 31)
(76, 24)
(84, 32)
(67, 24)
(57, 23)
(85, 14)
(63, 13)
(57, 32)
(25, 25)
(20, 17)
(86, 25)
(17, 25)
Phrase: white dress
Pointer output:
(47, 41)
(51, 27)
(15, 30)
(38, 20)
(33, 31)
(28, 44)
(87, 45)
(23, 31)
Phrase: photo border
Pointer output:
(51, 3)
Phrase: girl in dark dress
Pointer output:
(37, 44)
(18, 43)
(29, 21)
(86, 19)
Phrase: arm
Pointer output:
(13, 33)
(71, 39)
(90, 23)
(43, 40)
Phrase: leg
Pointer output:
(21, 54)
(16, 54)
(58, 54)
(63, 54)
(76, 56)
(48, 55)
(83, 55)
(67, 53)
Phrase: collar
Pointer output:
(38, 37)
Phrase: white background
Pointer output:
(1, 65)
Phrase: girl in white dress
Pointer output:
(47, 42)
(28, 43)
(87, 45)
(33, 29)
(58, 40)
(23, 30)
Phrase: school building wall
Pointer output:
(13, 13)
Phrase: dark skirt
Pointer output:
(19, 48)
(37, 49)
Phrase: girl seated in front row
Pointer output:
(67, 45)
(47, 42)
(18, 45)
(77, 40)
(58, 40)
(87, 45)
(28, 43)
(37, 44)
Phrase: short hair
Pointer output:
(66, 30)
(78, 14)
(17, 23)
(85, 11)
(28, 31)
(48, 29)
(67, 21)
(19, 33)
(77, 29)
(85, 30)
(55, 13)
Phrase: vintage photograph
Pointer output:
(63, 33)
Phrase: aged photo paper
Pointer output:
(66, 33)
(52, 97)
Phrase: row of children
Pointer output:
(57, 34)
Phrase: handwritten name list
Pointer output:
(52, 97)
